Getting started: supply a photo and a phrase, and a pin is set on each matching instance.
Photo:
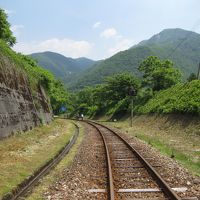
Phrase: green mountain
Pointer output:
(62, 67)
(178, 45)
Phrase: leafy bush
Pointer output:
(5, 30)
(181, 98)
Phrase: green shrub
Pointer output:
(181, 98)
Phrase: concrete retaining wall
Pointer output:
(20, 109)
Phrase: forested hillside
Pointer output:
(159, 89)
(62, 67)
(178, 45)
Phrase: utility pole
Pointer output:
(131, 111)
(132, 92)
(198, 72)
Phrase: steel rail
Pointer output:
(163, 185)
(111, 194)
(23, 188)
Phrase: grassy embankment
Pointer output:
(172, 135)
(55, 174)
(22, 154)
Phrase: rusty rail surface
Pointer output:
(110, 180)
(162, 184)
(23, 188)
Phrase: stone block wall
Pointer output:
(20, 110)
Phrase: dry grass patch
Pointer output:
(54, 175)
(24, 153)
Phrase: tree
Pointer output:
(118, 86)
(158, 74)
(5, 32)
(58, 96)
(110, 97)
(90, 100)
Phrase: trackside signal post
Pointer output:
(131, 111)
(132, 92)
(198, 73)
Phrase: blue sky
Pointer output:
(95, 29)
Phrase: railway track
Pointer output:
(111, 168)
(129, 174)
(25, 187)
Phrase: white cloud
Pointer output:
(109, 33)
(97, 25)
(67, 47)
(16, 29)
(121, 45)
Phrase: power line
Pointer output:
(184, 39)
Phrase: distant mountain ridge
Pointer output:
(62, 67)
(178, 45)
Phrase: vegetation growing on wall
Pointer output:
(5, 32)
(38, 76)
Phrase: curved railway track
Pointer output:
(25, 187)
(118, 171)
(129, 174)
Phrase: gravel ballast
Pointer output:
(88, 170)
